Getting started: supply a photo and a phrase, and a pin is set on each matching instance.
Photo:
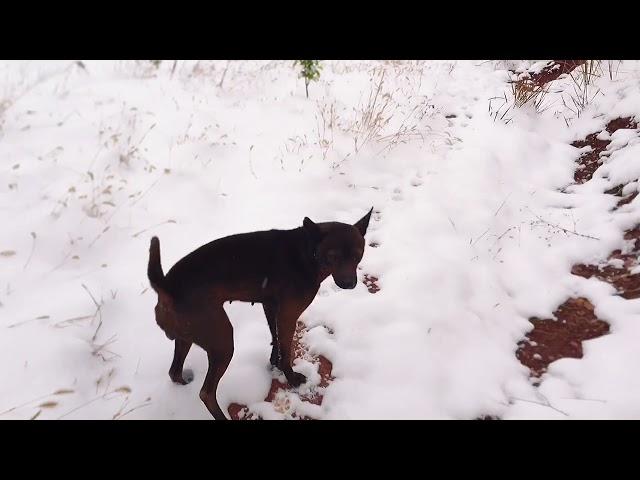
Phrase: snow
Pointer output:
(470, 232)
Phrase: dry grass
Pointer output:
(325, 123)
(373, 115)
(99, 350)
(613, 66)
(381, 119)
(499, 107)
(407, 130)
(390, 113)
(120, 148)
(584, 89)
(122, 391)
(5, 103)
(528, 92)
(48, 404)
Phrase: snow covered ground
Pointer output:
(95, 159)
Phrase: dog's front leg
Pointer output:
(271, 311)
(287, 318)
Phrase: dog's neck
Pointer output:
(308, 257)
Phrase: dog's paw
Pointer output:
(188, 376)
(184, 379)
(296, 379)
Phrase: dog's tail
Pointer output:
(154, 270)
(165, 310)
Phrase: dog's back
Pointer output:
(245, 267)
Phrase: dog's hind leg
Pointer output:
(219, 347)
(179, 355)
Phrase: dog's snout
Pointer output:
(346, 283)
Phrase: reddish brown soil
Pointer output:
(626, 283)
(553, 70)
(590, 161)
(627, 199)
(575, 320)
(562, 337)
(634, 234)
(371, 283)
(617, 191)
(241, 412)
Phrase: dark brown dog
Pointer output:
(282, 269)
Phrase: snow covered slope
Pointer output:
(96, 158)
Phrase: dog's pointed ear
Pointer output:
(363, 223)
(311, 228)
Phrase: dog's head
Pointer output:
(338, 248)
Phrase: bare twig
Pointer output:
(251, 164)
(104, 230)
(547, 404)
(585, 399)
(135, 235)
(92, 297)
(485, 232)
(119, 390)
(502, 205)
(70, 321)
(562, 228)
(452, 224)
(25, 404)
(118, 415)
(62, 391)
(98, 315)
(224, 74)
(144, 193)
(33, 247)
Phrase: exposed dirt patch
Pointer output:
(552, 339)
(562, 337)
(279, 391)
(621, 123)
(627, 284)
(619, 275)
(553, 70)
(590, 161)
(371, 283)
(617, 191)
(634, 234)
(627, 199)
(624, 199)
(575, 321)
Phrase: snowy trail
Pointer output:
(96, 160)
